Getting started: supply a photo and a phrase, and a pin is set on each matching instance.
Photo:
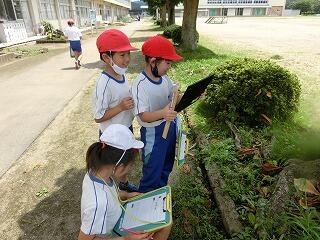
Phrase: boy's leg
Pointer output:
(170, 156)
(153, 156)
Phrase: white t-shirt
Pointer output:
(73, 33)
(107, 94)
(150, 96)
(100, 210)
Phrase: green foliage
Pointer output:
(174, 32)
(252, 91)
(168, 31)
(192, 201)
(50, 32)
(304, 224)
(291, 140)
(306, 6)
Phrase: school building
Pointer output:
(209, 8)
(19, 18)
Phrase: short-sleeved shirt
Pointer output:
(100, 208)
(73, 33)
(107, 94)
(150, 96)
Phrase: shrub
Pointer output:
(169, 30)
(174, 32)
(51, 33)
(252, 91)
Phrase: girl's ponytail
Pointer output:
(93, 156)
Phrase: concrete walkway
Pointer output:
(35, 90)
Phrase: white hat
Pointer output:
(120, 136)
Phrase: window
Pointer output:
(229, 1)
(214, 1)
(225, 12)
(239, 11)
(65, 9)
(6, 10)
(245, 1)
(260, 1)
(47, 9)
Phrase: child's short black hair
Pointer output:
(109, 53)
(147, 59)
(100, 154)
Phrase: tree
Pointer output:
(161, 4)
(303, 5)
(189, 24)
(316, 6)
(170, 9)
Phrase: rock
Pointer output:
(230, 217)
(44, 50)
(295, 169)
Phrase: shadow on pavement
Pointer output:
(58, 215)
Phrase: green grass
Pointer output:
(194, 217)
(297, 138)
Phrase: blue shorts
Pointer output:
(76, 46)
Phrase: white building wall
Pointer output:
(277, 3)
(247, 11)
(231, 11)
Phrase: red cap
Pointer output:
(158, 46)
(113, 40)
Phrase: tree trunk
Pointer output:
(189, 40)
(163, 15)
(171, 17)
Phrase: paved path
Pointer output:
(34, 91)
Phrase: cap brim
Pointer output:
(174, 57)
(138, 144)
(125, 48)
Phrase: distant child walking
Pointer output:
(100, 205)
(74, 36)
(152, 93)
(112, 100)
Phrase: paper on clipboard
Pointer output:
(182, 148)
(156, 206)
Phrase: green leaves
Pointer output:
(253, 92)
(42, 192)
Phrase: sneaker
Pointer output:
(77, 65)
(128, 187)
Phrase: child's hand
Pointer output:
(126, 195)
(168, 113)
(142, 236)
(126, 103)
(133, 194)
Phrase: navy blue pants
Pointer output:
(76, 46)
(157, 155)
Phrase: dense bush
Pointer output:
(51, 33)
(252, 91)
(168, 31)
(174, 32)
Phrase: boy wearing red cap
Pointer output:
(112, 101)
(152, 93)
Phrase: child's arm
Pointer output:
(166, 113)
(125, 104)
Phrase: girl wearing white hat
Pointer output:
(100, 206)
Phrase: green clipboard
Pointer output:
(123, 226)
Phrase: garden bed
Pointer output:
(247, 175)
